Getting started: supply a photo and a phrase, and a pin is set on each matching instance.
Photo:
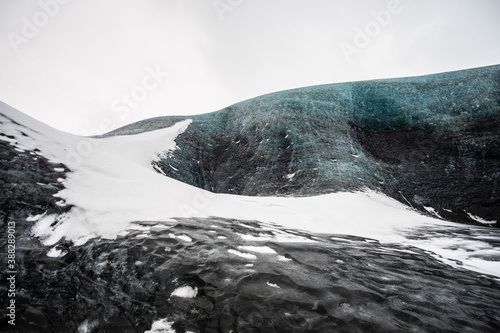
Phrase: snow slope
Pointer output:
(113, 184)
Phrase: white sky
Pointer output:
(75, 69)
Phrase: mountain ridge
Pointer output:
(130, 128)
(429, 141)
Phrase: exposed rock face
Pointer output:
(28, 182)
(430, 141)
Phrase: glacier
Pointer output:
(326, 208)
(428, 141)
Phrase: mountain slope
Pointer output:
(432, 142)
(115, 182)
(107, 241)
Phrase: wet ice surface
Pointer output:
(246, 276)
(473, 248)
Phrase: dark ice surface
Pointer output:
(310, 283)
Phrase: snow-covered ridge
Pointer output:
(115, 185)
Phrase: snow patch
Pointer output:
(185, 292)
(258, 249)
(278, 237)
(55, 253)
(243, 255)
(161, 326)
(87, 327)
(157, 168)
(479, 219)
(61, 203)
(272, 285)
(35, 218)
(158, 227)
(184, 238)
(432, 211)
(12, 141)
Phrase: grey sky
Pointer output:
(84, 57)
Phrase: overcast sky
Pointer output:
(79, 65)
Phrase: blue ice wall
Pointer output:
(430, 141)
